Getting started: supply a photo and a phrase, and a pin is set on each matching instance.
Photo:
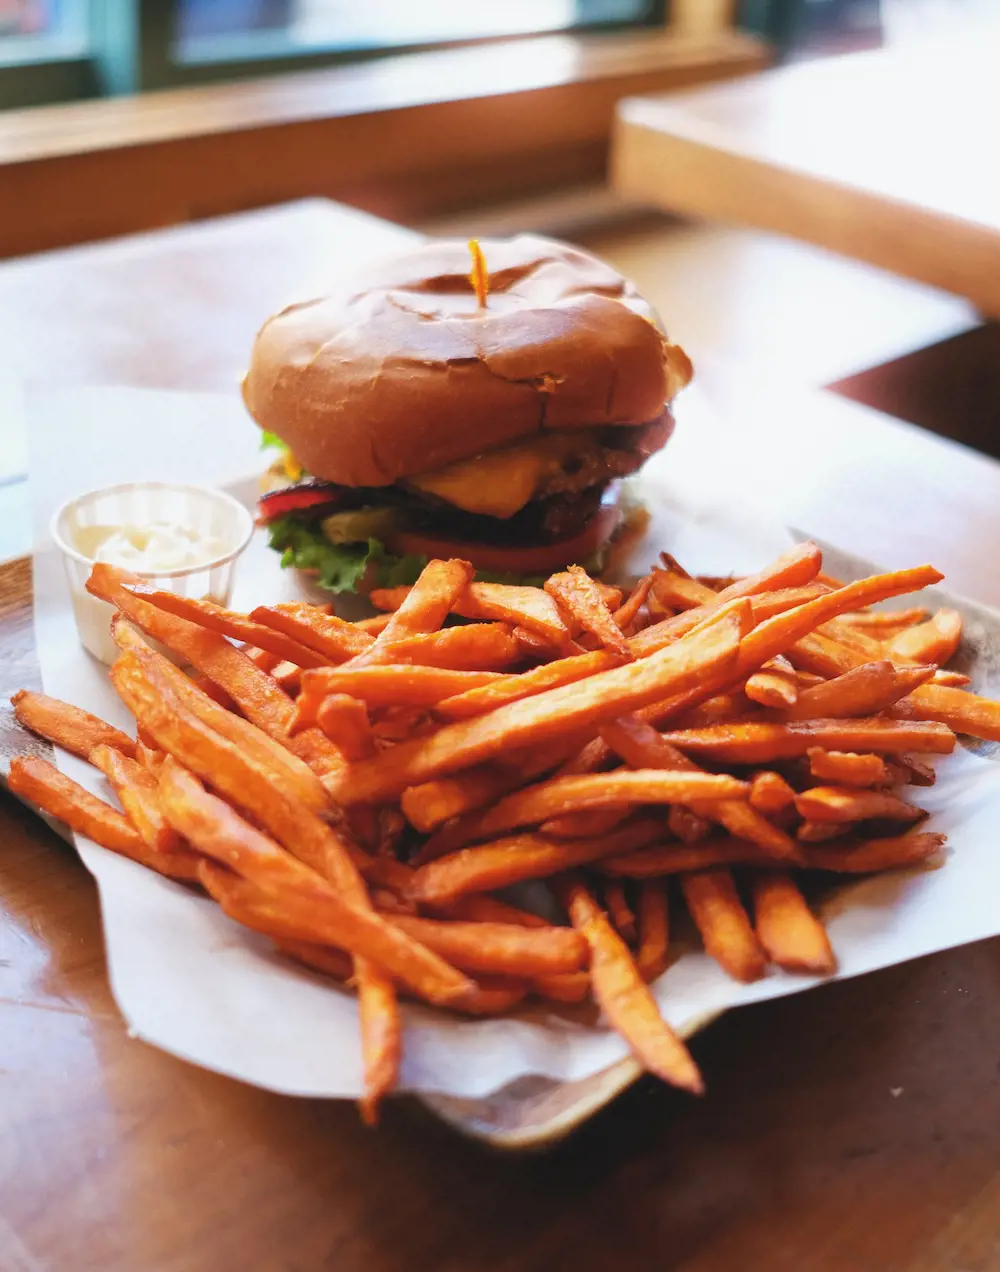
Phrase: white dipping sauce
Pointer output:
(162, 545)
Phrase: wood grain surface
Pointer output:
(878, 156)
(850, 1129)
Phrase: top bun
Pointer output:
(400, 372)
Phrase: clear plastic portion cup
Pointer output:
(211, 515)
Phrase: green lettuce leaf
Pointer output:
(271, 441)
(339, 566)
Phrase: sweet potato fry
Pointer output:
(332, 637)
(261, 657)
(789, 932)
(852, 856)
(475, 647)
(770, 793)
(849, 804)
(489, 867)
(815, 832)
(260, 699)
(576, 594)
(377, 623)
(775, 685)
(626, 613)
(753, 743)
(528, 607)
(618, 910)
(216, 618)
(41, 782)
(845, 855)
(295, 901)
(477, 908)
(557, 713)
(847, 768)
(385, 686)
(935, 641)
(424, 609)
(561, 795)
(318, 958)
(623, 996)
(585, 825)
(963, 712)
(653, 914)
(345, 722)
(639, 744)
(864, 690)
(563, 671)
(795, 568)
(884, 624)
(718, 913)
(910, 769)
(951, 679)
(73, 729)
(298, 778)
(503, 948)
(137, 793)
(569, 987)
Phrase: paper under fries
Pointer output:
(554, 721)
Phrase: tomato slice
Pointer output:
(497, 559)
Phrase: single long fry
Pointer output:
(935, 641)
(302, 904)
(847, 768)
(653, 915)
(884, 623)
(561, 795)
(719, 915)
(620, 913)
(345, 722)
(424, 609)
(564, 671)
(753, 743)
(626, 613)
(72, 728)
(41, 782)
(527, 607)
(386, 686)
(517, 858)
(842, 856)
(848, 804)
(640, 745)
(137, 793)
(475, 647)
(332, 637)
(862, 691)
(504, 948)
(576, 593)
(217, 618)
(260, 699)
(963, 712)
(624, 997)
(557, 713)
(789, 932)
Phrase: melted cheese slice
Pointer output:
(499, 483)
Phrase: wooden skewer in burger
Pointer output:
(435, 411)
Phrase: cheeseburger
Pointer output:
(426, 411)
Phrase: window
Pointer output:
(58, 49)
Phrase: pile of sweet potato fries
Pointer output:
(361, 792)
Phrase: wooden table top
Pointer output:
(848, 1129)
(881, 156)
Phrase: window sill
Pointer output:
(407, 137)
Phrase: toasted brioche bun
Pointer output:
(400, 372)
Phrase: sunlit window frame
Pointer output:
(132, 44)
